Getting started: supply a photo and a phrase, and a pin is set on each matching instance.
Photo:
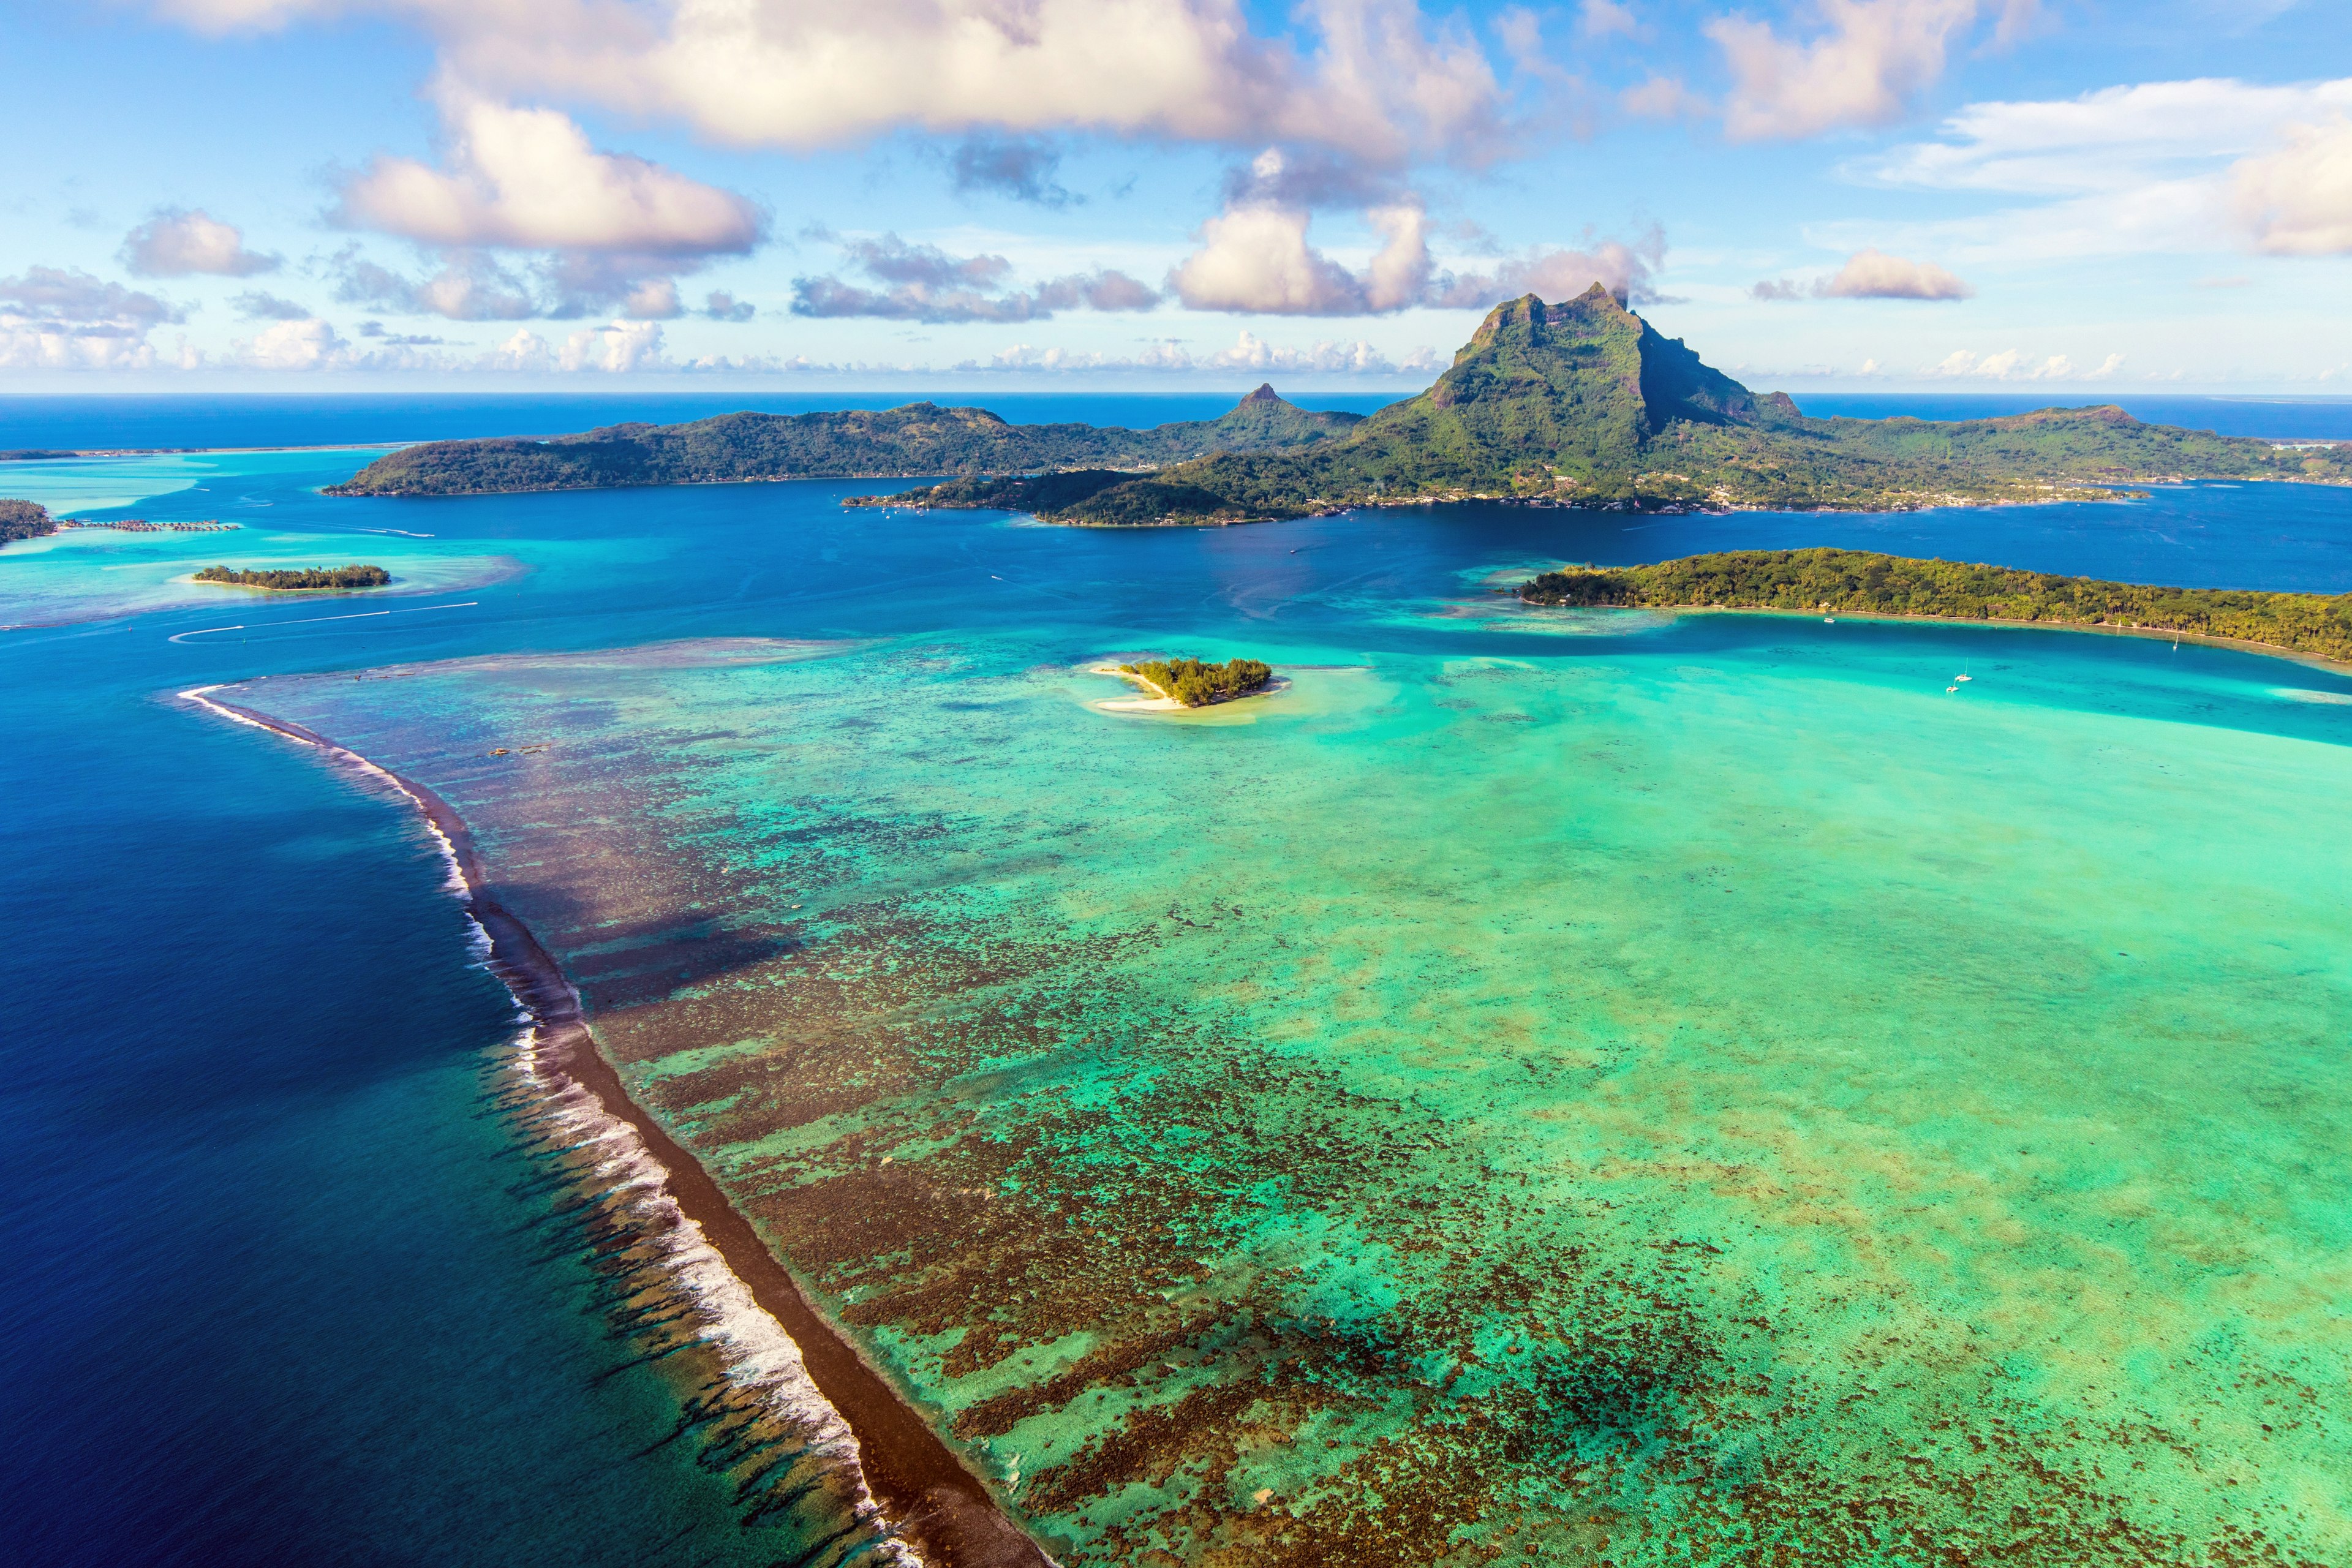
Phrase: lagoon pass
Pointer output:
(1577, 1086)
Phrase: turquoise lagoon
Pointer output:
(1584, 1089)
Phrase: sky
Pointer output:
(1996, 195)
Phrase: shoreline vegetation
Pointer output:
(296, 579)
(929, 1495)
(1190, 683)
(1860, 583)
(920, 438)
(24, 520)
(1578, 403)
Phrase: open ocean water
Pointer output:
(1916, 1060)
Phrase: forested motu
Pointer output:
(1580, 402)
(284, 578)
(1196, 685)
(24, 520)
(1860, 583)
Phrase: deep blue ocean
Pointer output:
(286, 1291)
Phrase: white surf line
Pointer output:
(759, 1353)
(312, 620)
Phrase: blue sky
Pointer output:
(1965, 195)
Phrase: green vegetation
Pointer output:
(24, 520)
(1585, 404)
(1860, 582)
(1581, 402)
(285, 579)
(1196, 685)
(920, 439)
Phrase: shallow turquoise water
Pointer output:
(1706, 1048)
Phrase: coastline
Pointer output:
(2157, 633)
(1160, 702)
(925, 1493)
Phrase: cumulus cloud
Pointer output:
(529, 179)
(379, 331)
(469, 287)
(1599, 18)
(2010, 364)
(2297, 200)
(924, 283)
(54, 318)
(478, 286)
(1626, 270)
(1872, 274)
(616, 348)
(1248, 353)
(176, 243)
(2182, 166)
(1871, 59)
(1256, 258)
(1021, 167)
(721, 305)
(304, 344)
(1371, 77)
(1662, 98)
(256, 306)
(610, 232)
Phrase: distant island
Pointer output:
(286, 579)
(1860, 582)
(1190, 683)
(894, 443)
(1581, 402)
(24, 520)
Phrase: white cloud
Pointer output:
(1324, 356)
(1371, 76)
(1871, 274)
(1623, 269)
(178, 244)
(54, 318)
(2010, 364)
(1662, 98)
(923, 283)
(309, 344)
(617, 348)
(1254, 258)
(2297, 200)
(1603, 18)
(529, 179)
(2189, 167)
(526, 351)
(1249, 352)
(1873, 59)
(2101, 141)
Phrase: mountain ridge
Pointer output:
(1584, 403)
(1580, 401)
(914, 439)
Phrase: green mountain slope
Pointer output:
(1581, 402)
(1586, 403)
(920, 439)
